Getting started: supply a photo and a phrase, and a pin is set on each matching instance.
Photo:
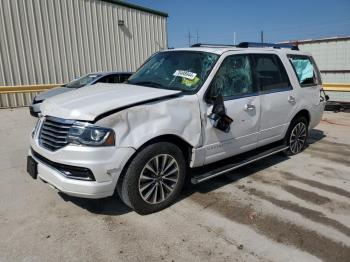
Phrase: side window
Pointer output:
(110, 79)
(104, 79)
(304, 69)
(114, 79)
(123, 78)
(234, 78)
(271, 74)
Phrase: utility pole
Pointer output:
(234, 38)
(191, 36)
(197, 37)
(262, 36)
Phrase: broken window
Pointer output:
(304, 70)
(234, 78)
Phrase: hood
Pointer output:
(88, 103)
(52, 92)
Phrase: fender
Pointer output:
(175, 115)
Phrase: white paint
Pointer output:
(139, 120)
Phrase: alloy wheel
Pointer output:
(297, 138)
(158, 178)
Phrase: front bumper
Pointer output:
(105, 163)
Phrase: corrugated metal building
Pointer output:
(52, 42)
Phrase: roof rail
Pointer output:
(211, 45)
(278, 46)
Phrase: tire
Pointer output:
(154, 178)
(296, 137)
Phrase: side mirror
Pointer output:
(218, 117)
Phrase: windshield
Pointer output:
(176, 70)
(83, 81)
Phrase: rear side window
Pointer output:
(271, 74)
(304, 69)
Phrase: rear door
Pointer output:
(235, 82)
(276, 96)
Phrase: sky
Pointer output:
(222, 21)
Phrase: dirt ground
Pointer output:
(278, 209)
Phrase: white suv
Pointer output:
(183, 109)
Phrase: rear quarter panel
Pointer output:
(308, 97)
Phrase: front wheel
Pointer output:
(154, 178)
(296, 136)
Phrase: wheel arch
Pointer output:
(184, 146)
(303, 112)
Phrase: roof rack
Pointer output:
(278, 46)
(211, 45)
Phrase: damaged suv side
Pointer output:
(183, 109)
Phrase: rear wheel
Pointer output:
(296, 136)
(154, 178)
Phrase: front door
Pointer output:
(234, 81)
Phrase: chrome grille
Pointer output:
(54, 132)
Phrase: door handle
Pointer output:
(291, 99)
(249, 107)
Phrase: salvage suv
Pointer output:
(183, 109)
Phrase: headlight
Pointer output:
(90, 135)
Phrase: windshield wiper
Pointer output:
(147, 83)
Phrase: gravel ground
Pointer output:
(278, 209)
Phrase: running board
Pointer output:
(230, 167)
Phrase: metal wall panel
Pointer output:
(51, 41)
